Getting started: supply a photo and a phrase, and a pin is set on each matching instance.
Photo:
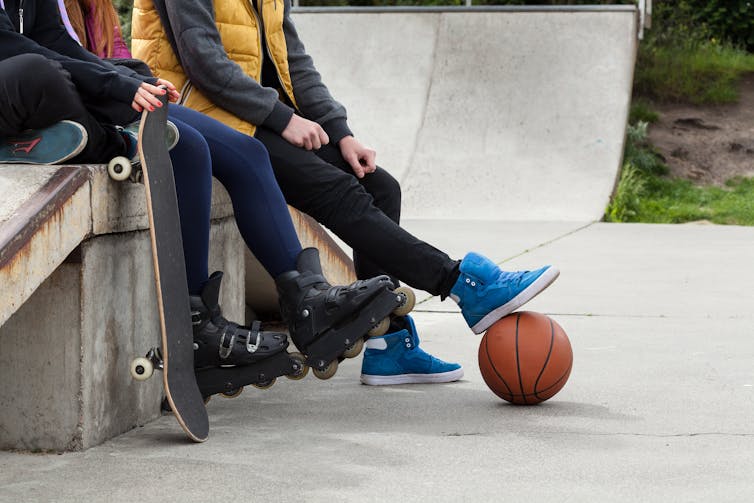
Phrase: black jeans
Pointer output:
(365, 213)
(36, 92)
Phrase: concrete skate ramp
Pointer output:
(485, 113)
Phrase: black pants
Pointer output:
(365, 213)
(36, 92)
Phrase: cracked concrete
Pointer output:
(658, 407)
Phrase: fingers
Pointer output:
(173, 95)
(147, 99)
(353, 160)
(368, 160)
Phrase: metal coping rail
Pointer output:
(479, 8)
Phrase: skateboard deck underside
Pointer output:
(179, 378)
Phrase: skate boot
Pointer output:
(51, 145)
(485, 293)
(329, 323)
(396, 358)
(218, 341)
(228, 357)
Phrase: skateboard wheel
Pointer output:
(119, 168)
(327, 372)
(408, 303)
(265, 384)
(355, 349)
(232, 393)
(380, 328)
(304, 367)
(141, 369)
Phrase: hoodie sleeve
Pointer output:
(203, 57)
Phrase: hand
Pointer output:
(146, 97)
(173, 95)
(305, 133)
(360, 158)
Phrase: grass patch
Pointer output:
(654, 199)
(644, 194)
(695, 72)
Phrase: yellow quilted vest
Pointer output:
(238, 25)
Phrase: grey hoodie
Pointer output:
(190, 27)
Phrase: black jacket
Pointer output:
(45, 34)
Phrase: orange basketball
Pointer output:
(525, 358)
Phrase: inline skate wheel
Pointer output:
(304, 369)
(355, 349)
(380, 328)
(232, 393)
(408, 303)
(327, 372)
(265, 384)
(119, 169)
(141, 369)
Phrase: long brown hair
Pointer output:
(105, 18)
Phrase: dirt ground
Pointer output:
(708, 144)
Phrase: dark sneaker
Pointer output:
(131, 136)
(51, 145)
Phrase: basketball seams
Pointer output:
(492, 365)
(518, 360)
(549, 352)
(553, 385)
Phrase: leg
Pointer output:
(386, 193)
(216, 340)
(337, 200)
(192, 169)
(46, 99)
(242, 165)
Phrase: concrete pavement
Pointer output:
(658, 407)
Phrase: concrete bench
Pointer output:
(78, 302)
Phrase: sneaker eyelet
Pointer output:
(468, 280)
(473, 283)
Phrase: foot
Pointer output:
(130, 136)
(218, 341)
(396, 358)
(485, 293)
(55, 144)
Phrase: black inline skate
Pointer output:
(227, 356)
(329, 323)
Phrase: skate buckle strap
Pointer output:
(255, 329)
(196, 318)
(225, 350)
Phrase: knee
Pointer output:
(386, 191)
(191, 155)
(47, 73)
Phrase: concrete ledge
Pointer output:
(40, 233)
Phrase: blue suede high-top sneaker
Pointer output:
(486, 293)
(396, 358)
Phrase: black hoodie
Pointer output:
(45, 34)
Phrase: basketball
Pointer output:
(525, 358)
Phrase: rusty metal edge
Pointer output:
(32, 214)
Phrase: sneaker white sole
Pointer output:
(519, 300)
(451, 376)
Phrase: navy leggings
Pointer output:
(208, 148)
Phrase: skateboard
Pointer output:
(176, 357)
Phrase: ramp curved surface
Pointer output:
(485, 113)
